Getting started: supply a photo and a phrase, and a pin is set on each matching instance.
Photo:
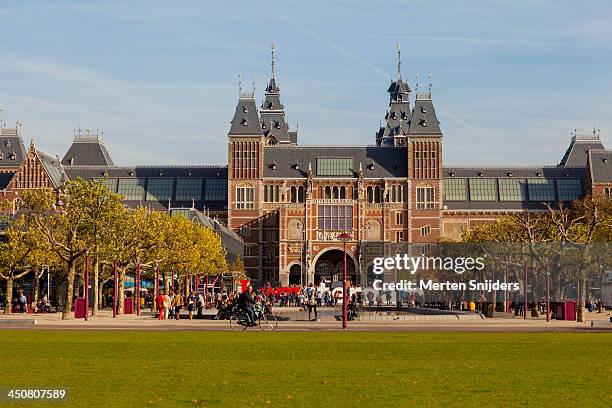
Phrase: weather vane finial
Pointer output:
(239, 84)
(272, 60)
(416, 87)
(429, 84)
(399, 62)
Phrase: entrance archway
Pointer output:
(295, 274)
(330, 266)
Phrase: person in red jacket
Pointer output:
(159, 301)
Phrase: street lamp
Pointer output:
(87, 286)
(345, 236)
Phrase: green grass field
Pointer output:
(322, 369)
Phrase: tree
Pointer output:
(62, 220)
(102, 210)
(16, 254)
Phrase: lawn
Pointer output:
(320, 369)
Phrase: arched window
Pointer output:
(425, 197)
(370, 194)
(335, 192)
(300, 194)
(377, 195)
(327, 192)
(342, 192)
(245, 197)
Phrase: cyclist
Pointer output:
(246, 301)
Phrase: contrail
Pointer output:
(332, 44)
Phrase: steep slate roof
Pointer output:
(12, 149)
(87, 151)
(424, 119)
(576, 154)
(246, 119)
(272, 114)
(398, 115)
(387, 161)
(600, 163)
(53, 167)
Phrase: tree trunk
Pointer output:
(96, 284)
(36, 286)
(580, 311)
(9, 296)
(166, 283)
(69, 290)
(100, 297)
(121, 291)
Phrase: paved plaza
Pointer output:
(292, 319)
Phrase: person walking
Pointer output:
(166, 305)
(201, 305)
(159, 302)
(312, 303)
(191, 304)
(177, 304)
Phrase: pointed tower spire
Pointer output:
(253, 84)
(399, 62)
(272, 60)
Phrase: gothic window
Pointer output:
(425, 230)
(300, 194)
(335, 192)
(335, 217)
(425, 197)
(342, 192)
(328, 192)
(293, 194)
(377, 194)
(245, 197)
(370, 194)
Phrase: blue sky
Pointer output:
(511, 79)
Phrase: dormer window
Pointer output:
(273, 166)
(244, 122)
(296, 166)
(509, 174)
(399, 98)
(1, 156)
(12, 156)
(604, 160)
(245, 109)
(277, 125)
(423, 123)
(480, 174)
(7, 143)
(423, 110)
(371, 166)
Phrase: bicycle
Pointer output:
(265, 319)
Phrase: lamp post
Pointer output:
(526, 300)
(344, 237)
(87, 286)
(137, 297)
(548, 296)
(115, 266)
